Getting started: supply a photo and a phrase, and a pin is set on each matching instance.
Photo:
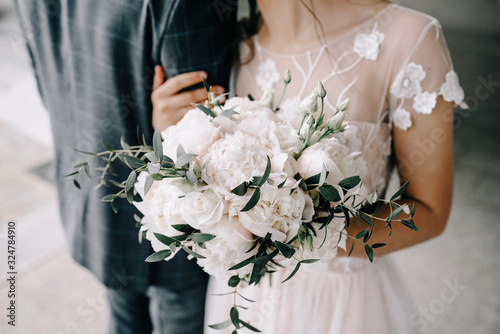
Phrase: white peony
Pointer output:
(182, 133)
(202, 208)
(333, 154)
(227, 249)
(277, 212)
(248, 109)
(290, 112)
(238, 157)
(288, 138)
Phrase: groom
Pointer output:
(94, 62)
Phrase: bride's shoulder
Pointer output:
(404, 23)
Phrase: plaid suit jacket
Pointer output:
(94, 62)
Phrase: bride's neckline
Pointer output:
(324, 46)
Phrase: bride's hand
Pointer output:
(170, 106)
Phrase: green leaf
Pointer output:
(233, 281)
(191, 176)
(132, 177)
(253, 200)
(410, 224)
(221, 325)
(180, 150)
(241, 264)
(240, 190)
(267, 172)
(184, 159)
(285, 249)
(329, 193)
(184, 228)
(108, 198)
(201, 237)
(378, 245)
(228, 113)
(235, 316)
(266, 258)
(352, 248)
(148, 184)
(106, 146)
(165, 240)
(350, 182)
(132, 162)
(153, 168)
(159, 256)
(250, 97)
(309, 261)
(114, 206)
(369, 252)
(71, 174)
(250, 327)
(151, 156)
(365, 218)
(362, 233)
(124, 144)
(281, 184)
(206, 85)
(75, 182)
(400, 191)
(157, 146)
(205, 109)
(394, 213)
(192, 252)
(293, 273)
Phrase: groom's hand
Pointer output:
(169, 103)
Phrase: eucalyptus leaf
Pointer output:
(159, 256)
(285, 249)
(378, 245)
(308, 261)
(250, 327)
(221, 325)
(184, 159)
(362, 233)
(77, 184)
(394, 213)
(114, 206)
(206, 85)
(240, 190)
(267, 172)
(350, 182)
(165, 239)
(184, 228)
(293, 272)
(205, 109)
(153, 168)
(157, 146)
(106, 146)
(109, 198)
(228, 113)
(234, 281)
(410, 224)
(400, 191)
(132, 178)
(235, 316)
(180, 150)
(329, 193)
(191, 176)
(123, 143)
(148, 184)
(201, 237)
(369, 252)
(192, 252)
(253, 200)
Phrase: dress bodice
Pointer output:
(392, 66)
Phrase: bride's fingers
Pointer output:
(159, 77)
(175, 84)
(185, 99)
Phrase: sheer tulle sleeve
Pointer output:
(425, 74)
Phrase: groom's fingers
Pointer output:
(175, 84)
(159, 77)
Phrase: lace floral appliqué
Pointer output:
(402, 119)
(424, 102)
(367, 45)
(267, 74)
(451, 89)
(407, 82)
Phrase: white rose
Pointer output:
(227, 249)
(200, 209)
(330, 152)
(195, 132)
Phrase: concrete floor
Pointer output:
(453, 278)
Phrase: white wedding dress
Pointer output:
(393, 67)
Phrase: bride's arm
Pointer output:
(169, 103)
(424, 156)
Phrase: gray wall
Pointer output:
(476, 16)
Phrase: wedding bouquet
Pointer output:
(245, 191)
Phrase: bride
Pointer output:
(393, 64)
